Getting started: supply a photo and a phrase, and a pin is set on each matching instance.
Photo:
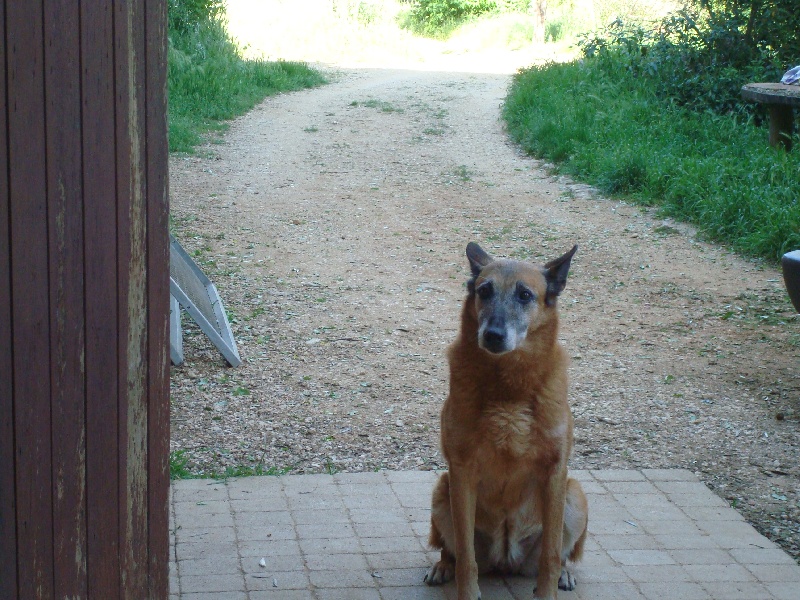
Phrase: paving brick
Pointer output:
(613, 526)
(260, 504)
(408, 576)
(212, 583)
(376, 515)
(373, 501)
(240, 595)
(342, 579)
(380, 561)
(251, 565)
(729, 572)
(414, 500)
(627, 542)
(252, 489)
(704, 556)
(268, 548)
(267, 531)
(712, 513)
(603, 475)
(282, 580)
(630, 487)
(641, 557)
(684, 590)
(733, 534)
(368, 530)
(782, 591)
(608, 591)
(209, 566)
(669, 475)
(762, 556)
(419, 592)
(656, 573)
(351, 594)
(313, 483)
(344, 545)
(739, 590)
(278, 594)
(591, 575)
(593, 487)
(190, 518)
(777, 573)
(684, 526)
(325, 530)
(194, 490)
(403, 544)
(263, 519)
(201, 550)
(698, 499)
(335, 562)
(320, 517)
(427, 478)
(372, 477)
(212, 535)
(315, 501)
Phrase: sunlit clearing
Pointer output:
(377, 33)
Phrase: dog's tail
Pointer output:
(577, 549)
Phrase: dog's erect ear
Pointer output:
(556, 274)
(477, 258)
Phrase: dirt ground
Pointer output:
(333, 222)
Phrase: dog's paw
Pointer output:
(440, 573)
(567, 581)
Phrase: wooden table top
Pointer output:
(772, 93)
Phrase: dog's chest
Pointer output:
(509, 428)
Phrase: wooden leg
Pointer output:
(781, 125)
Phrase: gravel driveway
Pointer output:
(334, 222)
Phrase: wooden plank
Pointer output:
(65, 220)
(100, 271)
(30, 300)
(8, 511)
(157, 297)
(132, 294)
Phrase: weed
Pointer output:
(312, 129)
(178, 465)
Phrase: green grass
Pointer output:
(179, 469)
(717, 172)
(209, 83)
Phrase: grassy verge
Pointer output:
(715, 171)
(208, 81)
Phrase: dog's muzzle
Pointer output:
(493, 339)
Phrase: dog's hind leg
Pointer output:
(441, 536)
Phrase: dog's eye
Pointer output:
(485, 291)
(525, 296)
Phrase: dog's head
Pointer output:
(513, 299)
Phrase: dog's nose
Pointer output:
(494, 339)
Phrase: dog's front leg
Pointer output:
(554, 497)
(463, 490)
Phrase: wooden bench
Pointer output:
(780, 99)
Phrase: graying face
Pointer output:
(512, 298)
(508, 298)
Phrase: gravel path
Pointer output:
(334, 221)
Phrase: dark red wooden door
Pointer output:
(84, 300)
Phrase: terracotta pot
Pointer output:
(791, 276)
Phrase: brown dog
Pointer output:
(506, 503)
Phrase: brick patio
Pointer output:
(657, 534)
